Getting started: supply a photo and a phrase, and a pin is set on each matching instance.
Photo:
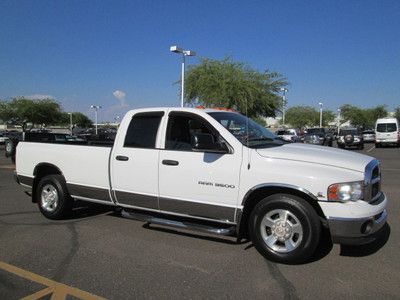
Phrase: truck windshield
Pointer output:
(248, 132)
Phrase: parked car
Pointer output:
(318, 136)
(288, 135)
(3, 137)
(350, 137)
(387, 132)
(11, 144)
(189, 168)
(368, 136)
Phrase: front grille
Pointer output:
(375, 172)
(375, 189)
(372, 181)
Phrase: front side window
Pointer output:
(248, 132)
(142, 131)
(180, 129)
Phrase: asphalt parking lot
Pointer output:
(100, 253)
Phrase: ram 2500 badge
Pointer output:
(214, 171)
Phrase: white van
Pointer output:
(387, 132)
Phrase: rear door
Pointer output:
(134, 162)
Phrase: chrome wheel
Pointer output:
(49, 198)
(8, 147)
(281, 230)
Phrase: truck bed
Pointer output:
(83, 166)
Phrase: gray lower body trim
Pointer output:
(165, 205)
(350, 231)
(189, 208)
(88, 192)
(138, 200)
(94, 200)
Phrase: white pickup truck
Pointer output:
(215, 171)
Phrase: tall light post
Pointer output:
(338, 119)
(96, 109)
(184, 53)
(70, 122)
(320, 113)
(284, 90)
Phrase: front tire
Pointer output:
(53, 198)
(285, 228)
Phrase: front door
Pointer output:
(198, 184)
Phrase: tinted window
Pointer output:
(348, 131)
(180, 130)
(142, 131)
(386, 127)
(316, 131)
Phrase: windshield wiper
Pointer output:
(261, 139)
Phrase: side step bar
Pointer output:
(177, 223)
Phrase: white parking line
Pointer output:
(372, 148)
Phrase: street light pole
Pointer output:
(284, 90)
(320, 113)
(184, 53)
(96, 108)
(70, 121)
(338, 127)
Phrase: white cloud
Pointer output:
(38, 97)
(119, 94)
(119, 109)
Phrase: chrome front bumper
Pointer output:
(356, 231)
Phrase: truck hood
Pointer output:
(318, 155)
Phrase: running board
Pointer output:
(182, 224)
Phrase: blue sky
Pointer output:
(81, 52)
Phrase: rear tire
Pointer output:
(284, 228)
(53, 198)
(377, 145)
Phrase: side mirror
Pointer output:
(204, 142)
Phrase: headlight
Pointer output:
(350, 191)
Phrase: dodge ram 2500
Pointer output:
(215, 171)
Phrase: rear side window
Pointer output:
(386, 127)
(142, 131)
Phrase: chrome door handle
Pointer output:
(122, 158)
(169, 162)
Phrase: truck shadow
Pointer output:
(83, 209)
(367, 249)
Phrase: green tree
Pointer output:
(78, 120)
(234, 85)
(307, 116)
(397, 113)
(364, 118)
(20, 111)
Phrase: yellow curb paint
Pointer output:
(58, 290)
(39, 294)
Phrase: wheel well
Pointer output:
(40, 171)
(263, 192)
